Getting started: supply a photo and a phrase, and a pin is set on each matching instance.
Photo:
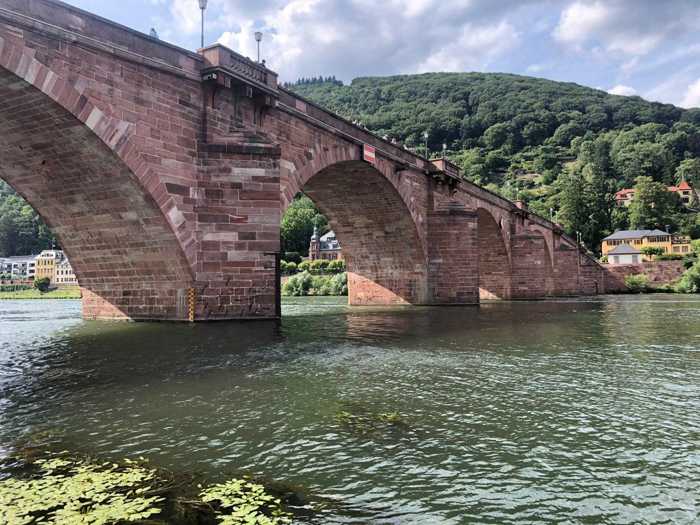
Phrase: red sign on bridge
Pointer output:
(369, 153)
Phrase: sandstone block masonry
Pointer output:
(164, 174)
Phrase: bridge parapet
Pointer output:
(58, 20)
(237, 68)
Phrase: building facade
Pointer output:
(18, 267)
(326, 247)
(639, 239)
(46, 263)
(64, 275)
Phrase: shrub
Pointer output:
(637, 283)
(304, 266)
(42, 284)
(298, 285)
(336, 266)
(294, 257)
(339, 284)
(305, 283)
(689, 260)
(690, 282)
(604, 259)
(288, 268)
(695, 246)
(14, 287)
(670, 257)
(319, 266)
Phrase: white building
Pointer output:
(624, 254)
(19, 266)
(63, 274)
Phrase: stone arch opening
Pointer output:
(495, 273)
(384, 256)
(123, 250)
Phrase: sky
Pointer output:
(649, 48)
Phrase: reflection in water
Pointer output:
(572, 410)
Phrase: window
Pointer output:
(616, 259)
(635, 259)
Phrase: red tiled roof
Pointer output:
(623, 193)
(684, 186)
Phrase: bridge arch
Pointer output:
(495, 269)
(79, 168)
(382, 247)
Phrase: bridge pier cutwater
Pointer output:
(164, 174)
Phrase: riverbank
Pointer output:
(33, 293)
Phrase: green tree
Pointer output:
(298, 223)
(651, 205)
(42, 284)
(573, 214)
(689, 170)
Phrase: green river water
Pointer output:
(567, 411)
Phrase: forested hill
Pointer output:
(531, 138)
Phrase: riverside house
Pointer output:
(625, 244)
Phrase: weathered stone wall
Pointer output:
(658, 272)
(495, 273)
(453, 256)
(532, 270)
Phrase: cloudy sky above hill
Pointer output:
(649, 48)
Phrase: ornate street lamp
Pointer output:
(202, 7)
(258, 38)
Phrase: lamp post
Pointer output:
(258, 38)
(202, 7)
(444, 150)
(425, 138)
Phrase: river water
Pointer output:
(571, 411)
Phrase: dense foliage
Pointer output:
(22, 232)
(563, 148)
(305, 283)
(298, 225)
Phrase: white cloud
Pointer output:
(186, 14)
(623, 90)
(692, 95)
(473, 50)
(625, 27)
(580, 20)
(351, 37)
(537, 68)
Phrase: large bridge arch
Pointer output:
(495, 272)
(382, 248)
(71, 162)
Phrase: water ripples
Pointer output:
(569, 411)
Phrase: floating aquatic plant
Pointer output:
(369, 422)
(244, 502)
(65, 490)
(68, 491)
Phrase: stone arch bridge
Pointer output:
(164, 174)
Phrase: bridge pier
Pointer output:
(453, 260)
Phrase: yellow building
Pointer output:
(639, 239)
(46, 263)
